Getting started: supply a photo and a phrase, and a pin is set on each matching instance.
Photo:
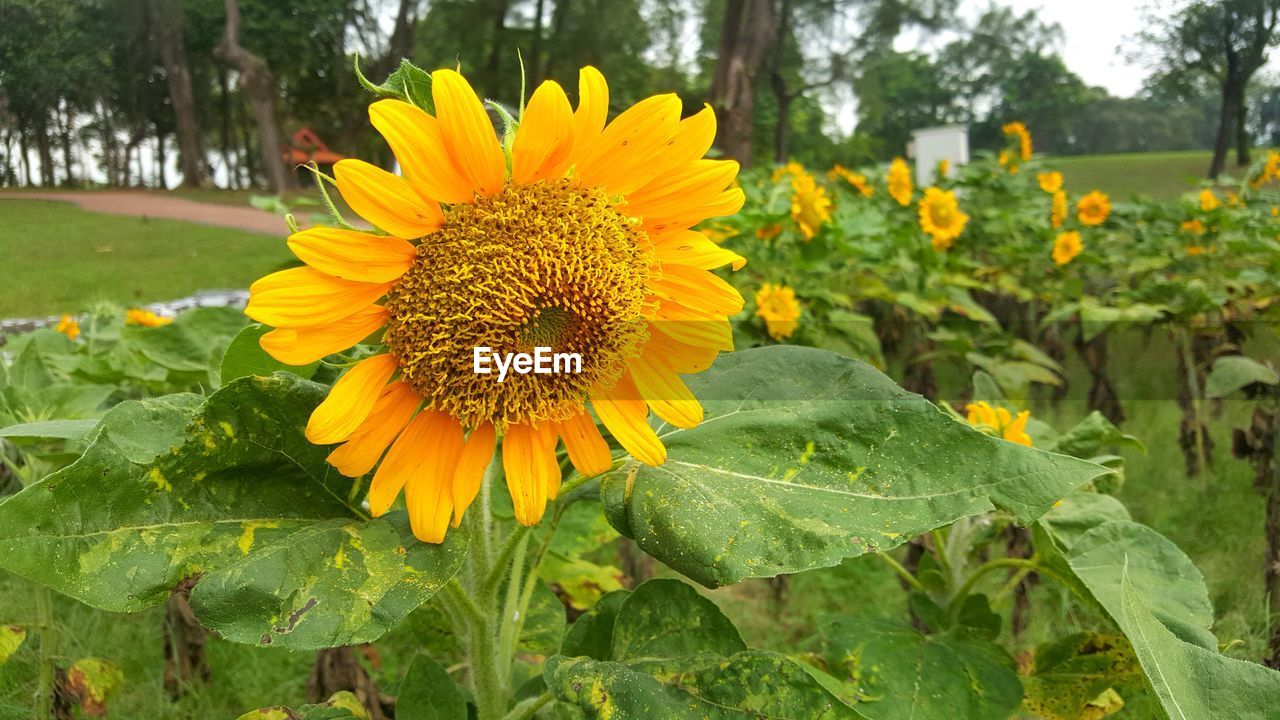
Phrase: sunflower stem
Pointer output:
(48, 654)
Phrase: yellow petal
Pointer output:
(428, 493)
(353, 255)
(623, 157)
(592, 112)
(416, 140)
(681, 357)
(390, 414)
(692, 248)
(544, 140)
(726, 203)
(693, 327)
(546, 452)
(303, 297)
(692, 140)
(686, 188)
(385, 200)
(665, 392)
(587, 448)
(305, 345)
(523, 461)
(475, 459)
(350, 400)
(468, 133)
(697, 289)
(404, 457)
(627, 418)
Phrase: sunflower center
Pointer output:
(541, 265)
(941, 214)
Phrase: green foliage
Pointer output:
(428, 694)
(806, 458)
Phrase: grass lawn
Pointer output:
(1161, 175)
(59, 258)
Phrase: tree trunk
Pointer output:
(535, 49)
(64, 134)
(184, 637)
(338, 670)
(1102, 394)
(747, 34)
(259, 88)
(45, 151)
(1231, 99)
(166, 25)
(162, 181)
(1242, 133)
(782, 132)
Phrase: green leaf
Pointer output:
(1192, 682)
(188, 343)
(900, 673)
(1090, 436)
(544, 625)
(1233, 372)
(428, 693)
(668, 619)
(591, 635)
(407, 82)
(1158, 568)
(245, 357)
(806, 458)
(1081, 512)
(118, 534)
(338, 582)
(145, 429)
(664, 650)
(59, 429)
(11, 638)
(1081, 677)
(752, 684)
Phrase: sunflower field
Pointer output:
(837, 446)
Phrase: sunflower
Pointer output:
(768, 232)
(573, 236)
(1058, 209)
(1208, 201)
(1050, 182)
(778, 306)
(1270, 171)
(1000, 421)
(1194, 250)
(810, 206)
(941, 218)
(857, 180)
(793, 169)
(1017, 130)
(944, 168)
(1093, 209)
(899, 181)
(68, 326)
(145, 318)
(1193, 226)
(1066, 247)
(1006, 161)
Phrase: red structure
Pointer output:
(305, 146)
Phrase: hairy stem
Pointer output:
(48, 654)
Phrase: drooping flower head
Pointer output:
(1018, 132)
(857, 180)
(1058, 209)
(574, 237)
(810, 206)
(899, 181)
(1208, 201)
(1093, 209)
(145, 318)
(1050, 182)
(68, 326)
(1066, 247)
(944, 168)
(768, 232)
(778, 307)
(941, 218)
(1000, 422)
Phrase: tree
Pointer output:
(1227, 40)
(748, 31)
(259, 88)
(166, 24)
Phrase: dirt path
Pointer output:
(160, 206)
